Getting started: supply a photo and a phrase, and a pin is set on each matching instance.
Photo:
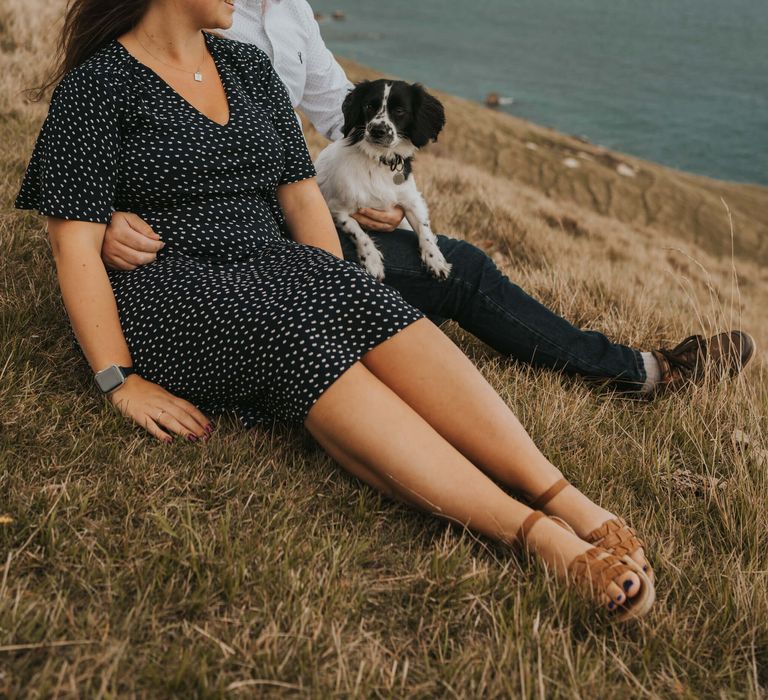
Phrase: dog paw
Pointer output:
(438, 266)
(374, 265)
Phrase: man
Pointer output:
(476, 295)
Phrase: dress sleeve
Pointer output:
(73, 170)
(298, 162)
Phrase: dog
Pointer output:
(385, 123)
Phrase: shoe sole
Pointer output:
(750, 354)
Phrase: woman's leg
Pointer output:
(427, 371)
(369, 430)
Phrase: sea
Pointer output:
(679, 82)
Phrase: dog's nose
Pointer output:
(378, 131)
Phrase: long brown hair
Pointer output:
(88, 26)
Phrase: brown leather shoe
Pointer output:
(695, 358)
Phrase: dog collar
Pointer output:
(401, 167)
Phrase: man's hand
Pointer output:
(129, 242)
(379, 220)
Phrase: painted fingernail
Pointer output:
(611, 605)
(168, 440)
(645, 567)
(209, 428)
(620, 597)
(192, 437)
(628, 584)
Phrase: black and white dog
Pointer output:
(385, 123)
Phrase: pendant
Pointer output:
(199, 77)
(398, 178)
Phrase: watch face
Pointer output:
(109, 378)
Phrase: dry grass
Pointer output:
(253, 566)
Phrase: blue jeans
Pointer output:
(486, 303)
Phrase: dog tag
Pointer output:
(398, 178)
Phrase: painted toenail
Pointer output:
(620, 597)
(645, 567)
(611, 605)
(627, 585)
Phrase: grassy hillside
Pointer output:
(252, 566)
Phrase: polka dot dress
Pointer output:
(232, 315)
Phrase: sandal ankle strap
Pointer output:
(528, 523)
(549, 494)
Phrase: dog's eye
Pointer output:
(399, 111)
(370, 106)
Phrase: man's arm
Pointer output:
(326, 87)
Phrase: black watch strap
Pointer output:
(112, 377)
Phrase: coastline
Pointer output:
(673, 83)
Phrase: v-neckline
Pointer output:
(168, 86)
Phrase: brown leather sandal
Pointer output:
(614, 536)
(618, 538)
(594, 570)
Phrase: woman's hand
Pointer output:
(157, 410)
(129, 242)
(379, 219)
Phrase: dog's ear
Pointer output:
(428, 117)
(352, 108)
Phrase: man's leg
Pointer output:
(487, 304)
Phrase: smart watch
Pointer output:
(112, 377)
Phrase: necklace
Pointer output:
(198, 73)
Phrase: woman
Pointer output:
(196, 134)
